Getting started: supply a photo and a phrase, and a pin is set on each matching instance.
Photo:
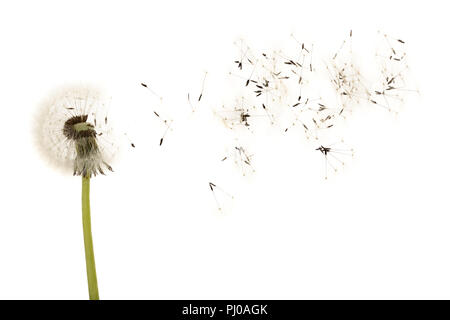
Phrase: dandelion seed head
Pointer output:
(72, 131)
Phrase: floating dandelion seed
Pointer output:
(203, 87)
(164, 120)
(167, 123)
(73, 132)
(223, 194)
(200, 96)
(150, 89)
(333, 156)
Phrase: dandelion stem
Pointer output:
(88, 245)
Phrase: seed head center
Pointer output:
(77, 127)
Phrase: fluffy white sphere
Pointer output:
(73, 133)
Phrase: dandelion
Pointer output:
(73, 132)
(223, 194)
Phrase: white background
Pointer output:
(380, 229)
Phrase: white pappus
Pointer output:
(73, 133)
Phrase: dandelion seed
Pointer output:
(333, 156)
(200, 96)
(203, 87)
(214, 188)
(129, 141)
(149, 89)
(167, 123)
(241, 158)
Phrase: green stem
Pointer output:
(88, 245)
